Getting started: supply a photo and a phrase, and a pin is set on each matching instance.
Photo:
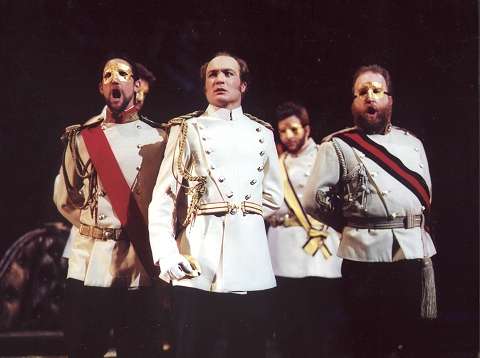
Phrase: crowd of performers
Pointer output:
(322, 248)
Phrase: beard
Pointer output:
(373, 125)
(295, 146)
(116, 107)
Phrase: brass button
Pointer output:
(229, 195)
(253, 182)
(139, 126)
(262, 153)
(221, 179)
(139, 146)
(102, 217)
(258, 129)
(261, 140)
(247, 196)
(260, 168)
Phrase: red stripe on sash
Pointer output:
(382, 157)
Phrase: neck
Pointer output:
(128, 115)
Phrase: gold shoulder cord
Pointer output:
(198, 189)
(83, 171)
(258, 120)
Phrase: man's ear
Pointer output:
(100, 88)
(307, 131)
(136, 86)
(243, 87)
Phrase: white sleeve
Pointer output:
(162, 214)
(324, 175)
(272, 181)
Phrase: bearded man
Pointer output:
(378, 175)
(103, 188)
(309, 304)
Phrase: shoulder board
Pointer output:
(406, 131)
(77, 128)
(258, 120)
(180, 119)
(150, 122)
(93, 121)
(334, 134)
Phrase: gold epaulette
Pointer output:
(258, 120)
(180, 119)
(74, 129)
(330, 136)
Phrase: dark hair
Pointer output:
(290, 108)
(145, 74)
(244, 71)
(375, 69)
(120, 57)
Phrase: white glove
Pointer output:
(179, 269)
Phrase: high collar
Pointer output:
(307, 148)
(223, 113)
(128, 115)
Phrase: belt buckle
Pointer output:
(108, 233)
(232, 208)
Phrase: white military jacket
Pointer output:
(288, 257)
(239, 159)
(375, 245)
(136, 146)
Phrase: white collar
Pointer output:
(223, 113)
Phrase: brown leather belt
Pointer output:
(223, 208)
(398, 222)
(100, 233)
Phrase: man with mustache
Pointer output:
(225, 163)
(376, 176)
(104, 188)
(309, 310)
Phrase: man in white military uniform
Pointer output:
(380, 175)
(109, 269)
(220, 266)
(309, 302)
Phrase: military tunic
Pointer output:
(137, 148)
(238, 158)
(288, 257)
(374, 245)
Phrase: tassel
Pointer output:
(429, 295)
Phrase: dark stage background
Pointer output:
(51, 53)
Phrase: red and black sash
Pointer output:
(390, 163)
(119, 194)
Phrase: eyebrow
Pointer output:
(215, 70)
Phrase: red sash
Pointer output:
(390, 163)
(119, 194)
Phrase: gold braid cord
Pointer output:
(83, 171)
(258, 120)
(199, 188)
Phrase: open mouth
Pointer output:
(220, 91)
(116, 93)
(371, 110)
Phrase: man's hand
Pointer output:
(182, 269)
